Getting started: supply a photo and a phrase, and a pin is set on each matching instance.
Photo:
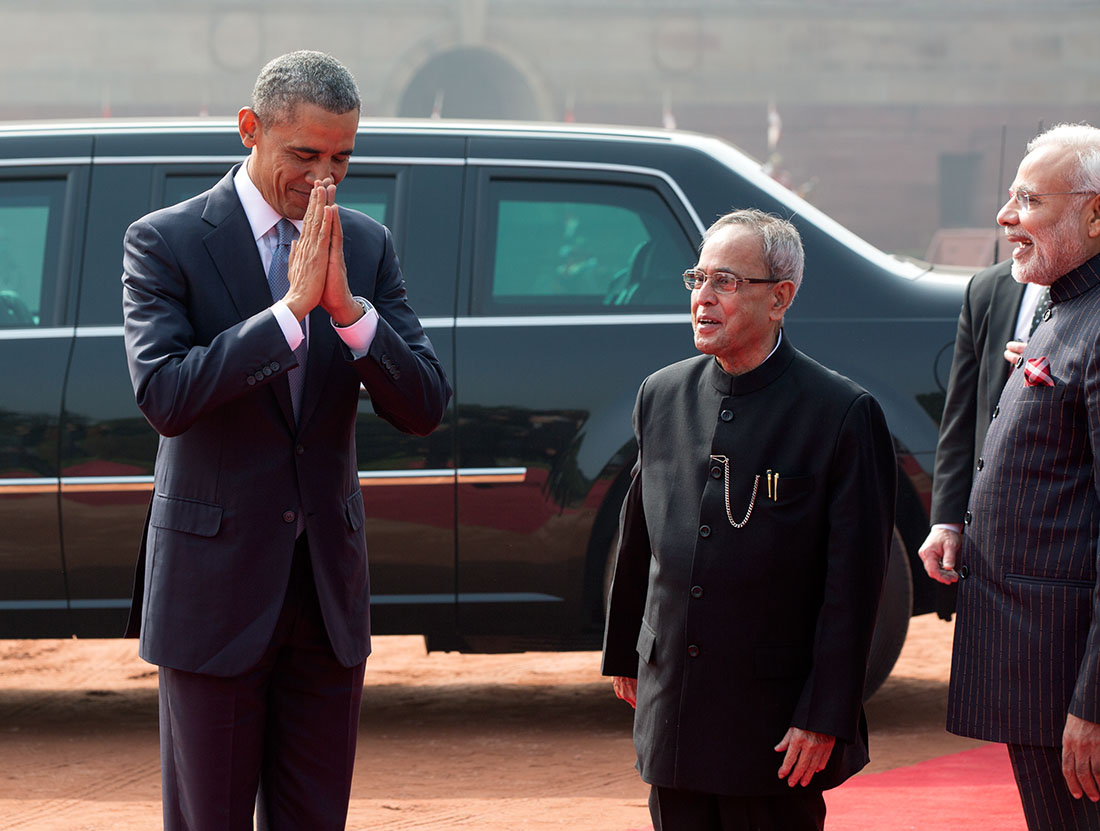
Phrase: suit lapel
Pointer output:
(233, 249)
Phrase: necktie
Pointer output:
(279, 280)
(1040, 309)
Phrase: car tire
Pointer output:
(892, 623)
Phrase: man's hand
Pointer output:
(807, 753)
(1081, 757)
(939, 552)
(626, 689)
(1013, 350)
(309, 254)
(337, 299)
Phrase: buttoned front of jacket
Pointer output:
(727, 627)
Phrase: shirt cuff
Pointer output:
(292, 329)
(359, 335)
(950, 526)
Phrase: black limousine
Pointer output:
(545, 263)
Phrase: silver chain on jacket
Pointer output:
(752, 502)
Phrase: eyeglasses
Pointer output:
(723, 282)
(1024, 199)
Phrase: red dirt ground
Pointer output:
(487, 742)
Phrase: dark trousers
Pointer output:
(278, 740)
(673, 809)
(1048, 804)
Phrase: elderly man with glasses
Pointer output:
(753, 547)
(1026, 664)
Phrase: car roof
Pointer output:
(31, 132)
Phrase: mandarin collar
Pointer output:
(1083, 278)
(754, 379)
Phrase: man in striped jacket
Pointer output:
(1026, 665)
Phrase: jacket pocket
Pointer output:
(1042, 394)
(1054, 582)
(783, 489)
(187, 515)
(647, 639)
(353, 510)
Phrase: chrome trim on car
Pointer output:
(367, 478)
(46, 161)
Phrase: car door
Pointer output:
(575, 295)
(42, 199)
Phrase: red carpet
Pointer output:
(973, 789)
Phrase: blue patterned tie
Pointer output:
(279, 281)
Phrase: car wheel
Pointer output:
(892, 623)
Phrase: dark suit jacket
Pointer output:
(208, 363)
(987, 322)
(742, 633)
(1027, 638)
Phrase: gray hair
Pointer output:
(303, 77)
(782, 244)
(1085, 140)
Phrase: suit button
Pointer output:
(726, 415)
(289, 516)
(716, 472)
(267, 370)
(704, 531)
(967, 517)
(250, 381)
(964, 572)
(1019, 362)
(696, 592)
(259, 376)
(693, 651)
(299, 449)
(275, 366)
(1047, 315)
(981, 463)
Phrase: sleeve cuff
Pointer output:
(359, 335)
(292, 329)
(950, 526)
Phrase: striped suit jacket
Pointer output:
(1027, 638)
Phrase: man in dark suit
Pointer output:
(1026, 663)
(753, 547)
(994, 323)
(247, 348)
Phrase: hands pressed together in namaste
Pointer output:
(317, 272)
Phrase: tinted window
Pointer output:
(30, 234)
(580, 246)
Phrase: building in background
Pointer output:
(896, 116)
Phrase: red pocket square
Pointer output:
(1037, 373)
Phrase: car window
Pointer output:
(372, 195)
(580, 246)
(30, 233)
